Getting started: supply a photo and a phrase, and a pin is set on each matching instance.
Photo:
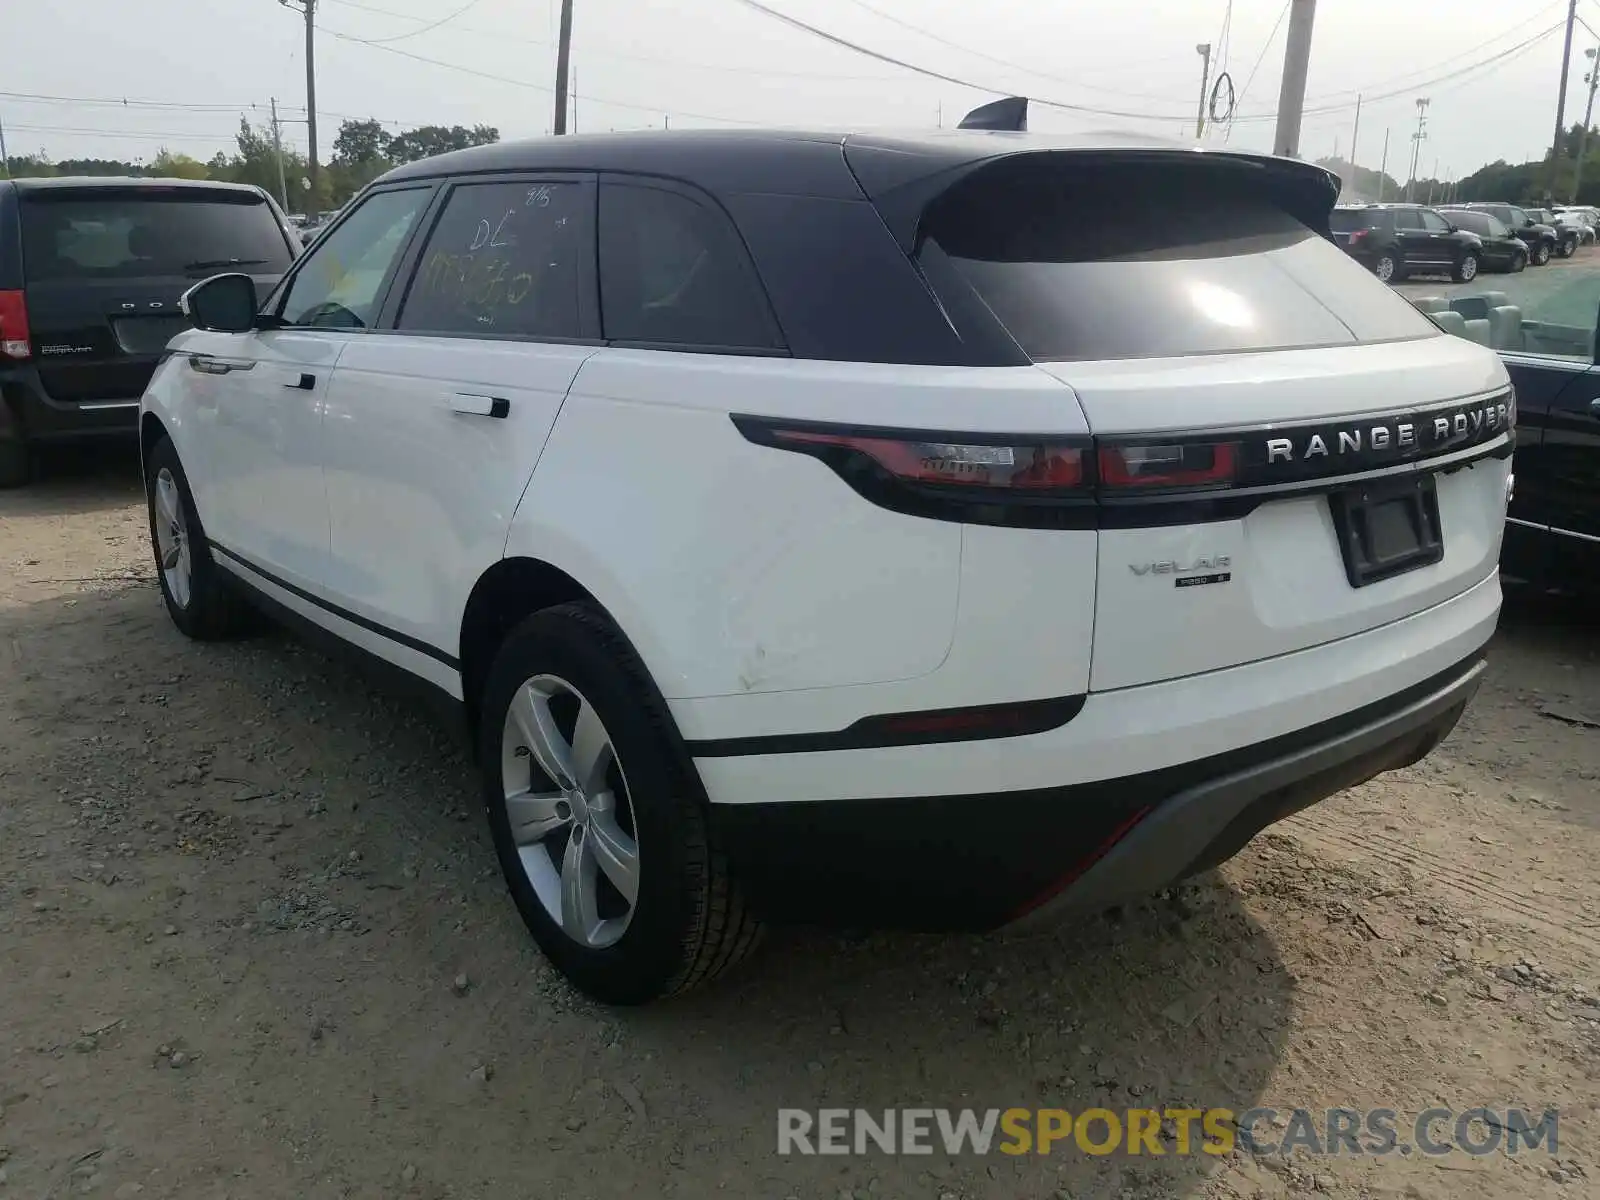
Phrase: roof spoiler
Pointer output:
(1010, 114)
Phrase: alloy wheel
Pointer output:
(1385, 268)
(172, 539)
(569, 809)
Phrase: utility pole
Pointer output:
(1296, 64)
(1204, 51)
(1354, 134)
(1592, 78)
(1417, 138)
(1561, 95)
(564, 65)
(309, 8)
(5, 161)
(1383, 167)
(277, 150)
(1432, 179)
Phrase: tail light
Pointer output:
(1359, 236)
(14, 337)
(1024, 466)
(1186, 465)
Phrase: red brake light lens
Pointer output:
(1188, 465)
(1037, 466)
(1359, 235)
(14, 337)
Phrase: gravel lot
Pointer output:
(253, 944)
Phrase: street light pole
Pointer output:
(1592, 78)
(1417, 138)
(1204, 51)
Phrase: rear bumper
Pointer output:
(30, 412)
(1030, 858)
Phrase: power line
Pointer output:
(39, 98)
(835, 39)
(1411, 89)
(429, 28)
(1260, 58)
(536, 87)
(602, 52)
(1003, 62)
(151, 134)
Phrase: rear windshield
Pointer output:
(1154, 260)
(1347, 220)
(126, 235)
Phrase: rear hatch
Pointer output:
(1345, 223)
(1288, 453)
(104, 265)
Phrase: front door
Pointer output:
(434, 428)
(267, 504)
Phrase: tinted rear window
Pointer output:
(1102, 263)
(125, 235)
(1345, 220)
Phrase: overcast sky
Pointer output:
(710, 62)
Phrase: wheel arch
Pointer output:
(509, 591)
(151, 431)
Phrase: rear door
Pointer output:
(1415, 243)
(104, 267)
(1289, 453)
(435, 424)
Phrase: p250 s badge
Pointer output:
(1191, 573)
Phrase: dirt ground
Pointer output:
(253, 944)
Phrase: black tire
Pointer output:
(1388, 267)
(1568, 247)
(1541, 254)
(1463, 272)
(16, 464)
(214, 610)
(690, 922)
(1519, 261)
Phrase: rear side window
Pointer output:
(128, 234)
(674, 272)
(1099, 263)
(1346, 220)
(504, 259)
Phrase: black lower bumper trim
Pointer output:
(979, 861)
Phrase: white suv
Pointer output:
(944, 530)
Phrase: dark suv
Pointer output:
(1396, 240)
(1542, 240)
(90, 275)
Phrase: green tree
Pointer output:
(428, 140)
(168, 165)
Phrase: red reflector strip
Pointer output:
(1041, 465)
(1082, 865)
(1188, 464)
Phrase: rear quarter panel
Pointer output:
(740, 569)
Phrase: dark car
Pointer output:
(1502, 249)
(1396, 240)
(90, 275)
(1542, 240)
(1569, 238)
(1543, 323)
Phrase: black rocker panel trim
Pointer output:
(344, 614)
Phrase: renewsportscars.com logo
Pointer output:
(1163, 1131)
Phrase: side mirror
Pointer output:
(223, 303)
